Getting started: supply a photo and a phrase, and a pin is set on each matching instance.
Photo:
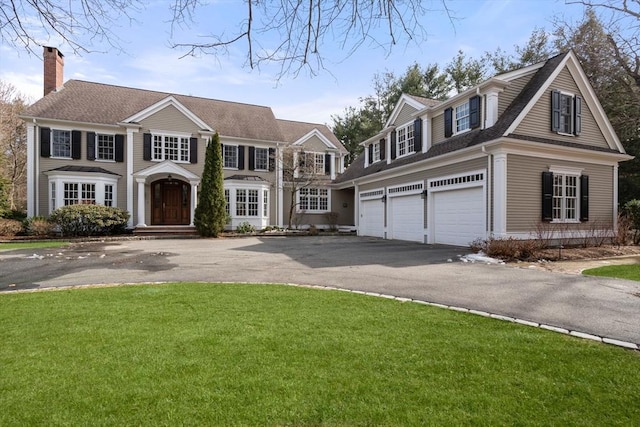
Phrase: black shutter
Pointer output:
(240, 157)
(577, 115)
(417, 135)
(272, 159)
(547, 196)
(45, 142)
(76, 147)
(555, 111)
(393, 144)
(193, 150)
(252, 158)
(146, 147)
(327, 164)
(119, 148)
(91, 145)
(474, 112)
(370, 148)
(383, 152)
(584, 198)
(448, 122)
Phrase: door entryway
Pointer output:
(171, 199)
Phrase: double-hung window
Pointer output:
(566, 113)
(105, 147)
(405, 140)
(170, 147)
(60, 143)
(462, 117)
(230, 155)
(565, 195)
(565, 198)
(261, 159)
(313, 199)
(312, 163)
(375, 152)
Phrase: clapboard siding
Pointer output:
(524, 192)
(314, 144)
(437, 129)
(405, 115)
(507, 96)
(538, 121)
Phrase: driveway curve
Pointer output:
(599, 306)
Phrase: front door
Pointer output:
(171, 202)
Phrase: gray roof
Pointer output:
(476, 136)
(293, 131)
(99, 103)
(83, 169)
(427, 102)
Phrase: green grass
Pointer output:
(629, 272)
(32, 245)
(202, 354)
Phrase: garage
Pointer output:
(371, 217)
(406, 218)
(459, 216)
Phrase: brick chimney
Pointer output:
(53, 69)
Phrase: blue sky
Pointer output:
(148, 62)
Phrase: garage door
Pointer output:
(371, 218)
(459, 216)
(406, 218)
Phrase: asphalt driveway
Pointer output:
(604, 307)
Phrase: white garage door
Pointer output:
(406, 218)
(371, 218)
(459, 216)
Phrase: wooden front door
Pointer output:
(171, 202)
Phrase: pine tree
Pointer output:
(210, 215)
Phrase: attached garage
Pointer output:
(406, 214)
(458, 211)
(371, 221)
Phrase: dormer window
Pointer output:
(375, 157)
(566, 113)
(462, 117)
(376, 151)
(405, 140)
(465, 116)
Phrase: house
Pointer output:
(526, 152)
(143, 151)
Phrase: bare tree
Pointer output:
(13, 145)
(290, 33)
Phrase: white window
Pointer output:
(53, 194)
(70, 193)
(241, 202)
(227, 199)
(405, 141)
(60, 143)
(565, 198)
(312, 163)
(265, 203)
(313, 199)
(566, 113)
(105, 147)
(252, 205)
(168, 147)
(88, 194)
(462, 117)
(261, 159)
(230, 155)
(108, 195)
(78, 193)
(375, 152)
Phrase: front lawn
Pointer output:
(629, 272)
(202, 354)
(32, 245)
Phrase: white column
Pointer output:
(356, 208)
(31, 169)
(491, 115)
(500, 195)
(367, 160)
(615, 198)
(279, 188)
(194, 201)
(333, 165)
(129, 163)
(141, 202)
(426, 134)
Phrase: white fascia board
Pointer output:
(512, 75)
(404, 99)
(69, 124)
(243, 141)
(316, 132)
(170, 100)
(491, 84)
(378, 136)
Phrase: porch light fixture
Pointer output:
(423, 194)
(169, 177)
(384, 198)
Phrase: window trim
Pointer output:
(375, 150)
(316, 155)
(456, 119)
(113, 147)
(224, 160)
(51, 143)
(57, 181)
(410, 142)
(183, 138)
(255, 159)
(575, 116)
(564, 172)
(318, 196)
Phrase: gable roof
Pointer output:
(293, 132)
(478, 136)
(98, 103)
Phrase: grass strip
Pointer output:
(32, 245)
(202, 354)
(627, 271)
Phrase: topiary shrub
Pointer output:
(10, 227)
(89, 220)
